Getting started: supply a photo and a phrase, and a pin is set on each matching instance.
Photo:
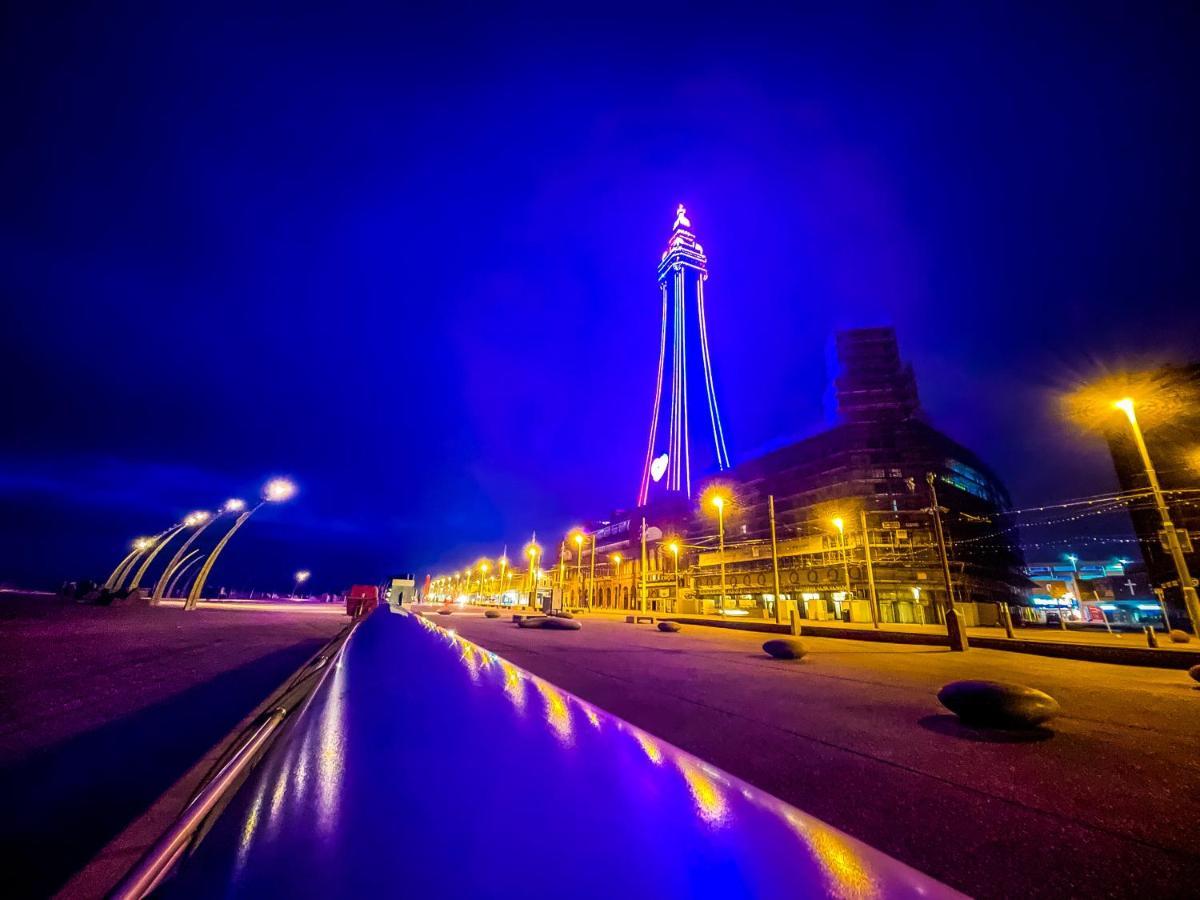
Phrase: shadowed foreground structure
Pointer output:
(102, 710)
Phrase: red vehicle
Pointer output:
(361, 599)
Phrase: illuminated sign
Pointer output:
(658, 467)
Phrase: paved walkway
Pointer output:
(1072, 636)
(1104, 804)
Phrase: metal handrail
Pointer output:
(144, 877)
(160, 859)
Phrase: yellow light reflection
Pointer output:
(710, 802)
(847, 875)
(514, 687)
(558, 714)
(592, 717)
(651, 749)
(332, 751)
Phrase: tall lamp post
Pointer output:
(577, 537)
(483, 570)
(1190, 601)
(718, 502)
(277, 490)
(615, 559)
(154, 551)
(199, 521)
(673, 546)
(137, 548)
(840, 525)
(532, 551)
(301, 577)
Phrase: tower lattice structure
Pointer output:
(676, 454)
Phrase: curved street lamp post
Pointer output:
(277, 490)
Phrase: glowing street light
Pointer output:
(484, 567)
(301, 577)
(717, 500)
(533, 551)
(1190, 601)
(136, 549)
(673, 547)
(277, 490)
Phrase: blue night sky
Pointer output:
(411, 261)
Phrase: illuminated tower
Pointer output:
(682, 446)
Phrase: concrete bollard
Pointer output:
(1151, 637)
(794, 618)
(956, 631)
(1005, 618)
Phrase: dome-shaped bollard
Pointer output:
(784, 648)
(491, 614)
(532, 622)
(998, 704)
(558, 623)
(669, 626)
(1179, 637)
(1194, 671)
(444, 612)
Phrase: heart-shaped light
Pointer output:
(658, 467)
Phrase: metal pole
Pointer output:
(941, 539)
(774, 556)
(675, 553)
(845, 564)
(158, 545)
(188, 561)
(1190, 601)
(591, 574)
(721, 539)
(171, 566)
(866, 539)
(198, 585)
(642, 590)
(121, 569)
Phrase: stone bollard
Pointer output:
(795, 622)
(1151, 637)
(1006, 619)
(956, 631)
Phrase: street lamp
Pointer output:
(532, 550)
(199, 521)
(277, 490)
(483, 570)
(136, 549)
(718, 500)
(615, 559)
(673, 546)
(1190, 601)
(301, 577)
(840, 525)
(577, 537)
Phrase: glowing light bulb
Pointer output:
(277, 490)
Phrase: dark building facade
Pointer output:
(870, 473)
(1173, 441)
